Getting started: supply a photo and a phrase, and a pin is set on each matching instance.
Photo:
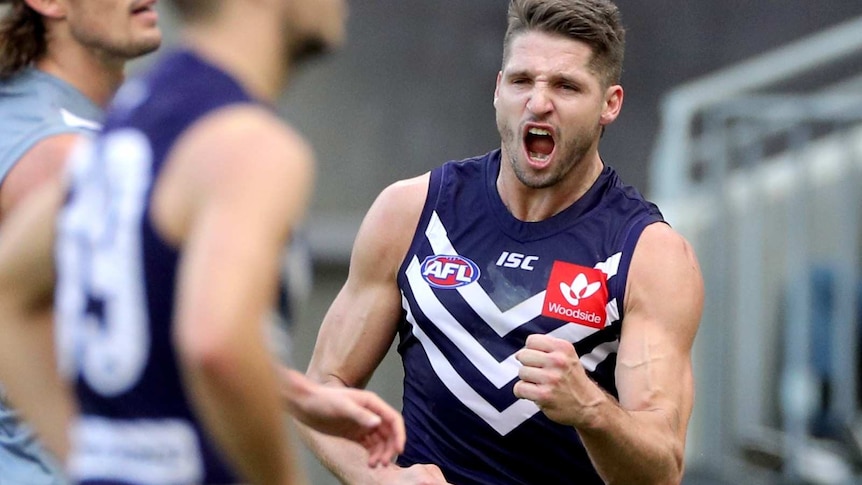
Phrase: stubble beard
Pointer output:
(568, 154)
(124, 50)
(307, 50)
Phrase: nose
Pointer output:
(539, 102)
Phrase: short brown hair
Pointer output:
(596, 22)
(22, 37)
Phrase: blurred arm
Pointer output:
(28, 369)
(234, 185)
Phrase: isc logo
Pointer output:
(516, 260)
(449, 271)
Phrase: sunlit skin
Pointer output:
(547, 83)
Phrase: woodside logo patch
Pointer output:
(576, 294)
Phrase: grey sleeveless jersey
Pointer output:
(35, 105)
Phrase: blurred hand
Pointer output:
(354, 414)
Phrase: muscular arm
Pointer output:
(362, 322)
(235, 184)
(639, 439)
(28, 367)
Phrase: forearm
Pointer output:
(236, 397)
(633, 447)
(346, 460)
(29, 375)
(28, 364)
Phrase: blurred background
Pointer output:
(742, 120)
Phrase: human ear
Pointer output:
(612, 105)
(53, 9)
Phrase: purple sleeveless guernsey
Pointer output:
(475, 283)
(116, 289)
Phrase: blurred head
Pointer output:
(311, 26)
(315, 26)
(110, 29)
(597, 23)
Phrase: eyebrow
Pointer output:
(555, 78)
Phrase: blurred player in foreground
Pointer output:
(167, 247)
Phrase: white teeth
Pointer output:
(539, 131)
(539, 157)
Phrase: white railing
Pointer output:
(671, 158)
(768, 187)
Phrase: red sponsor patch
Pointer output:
(576, 294)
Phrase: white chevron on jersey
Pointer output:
(480, 302)
(499, 373)
(504, 322)
(598, 355)
(611, 265)
(502, 421)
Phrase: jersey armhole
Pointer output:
(630, 240)
(435, 187)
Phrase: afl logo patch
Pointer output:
(449, 271)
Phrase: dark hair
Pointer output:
(595, 22)
(190, 10)
(22, 37)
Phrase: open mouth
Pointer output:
(539, 144)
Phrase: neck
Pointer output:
(233, 41)
(537, 204)
(97, 77)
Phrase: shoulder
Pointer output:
(665, 282)
(43, 161)
(397, 208)
(243, 138)
(389, 225)
(35, 98)
(39, 115)
(659, 244)
(241, 159)
(407, 195)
